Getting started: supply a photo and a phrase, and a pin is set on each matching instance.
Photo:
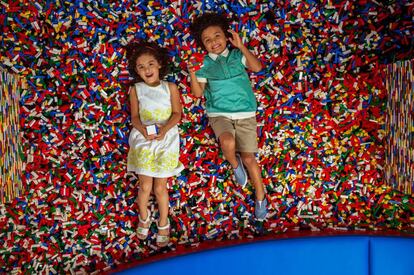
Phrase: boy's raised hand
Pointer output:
(235, 40)
(195, 63)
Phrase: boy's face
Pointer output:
(214, 39)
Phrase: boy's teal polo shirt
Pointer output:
(228, 89)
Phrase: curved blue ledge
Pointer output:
(330, 255)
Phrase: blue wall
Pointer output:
(337, 255)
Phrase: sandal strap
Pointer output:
(142, 230)
(147, 219)
(162, 238)
(167, 226)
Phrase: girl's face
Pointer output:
(214, 39)
(148, 68)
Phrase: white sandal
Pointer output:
(143, 231)
(162, 240)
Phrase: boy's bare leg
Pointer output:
(250, 163)
(228, 146)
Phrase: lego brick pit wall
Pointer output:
(321, 103)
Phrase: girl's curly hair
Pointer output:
(207, 20)
(136, 49)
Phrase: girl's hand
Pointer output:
(235, 40)
(161, 132)
(150, 137)
(143, 131)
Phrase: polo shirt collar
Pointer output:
(214, 56)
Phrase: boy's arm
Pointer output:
(252, 62)
(197, 88)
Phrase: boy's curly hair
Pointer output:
(207, 20)
(136, 49)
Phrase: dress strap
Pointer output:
(138, 89)
(166, 86)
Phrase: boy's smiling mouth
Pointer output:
(215, 47)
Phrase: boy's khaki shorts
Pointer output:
(244, 130)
